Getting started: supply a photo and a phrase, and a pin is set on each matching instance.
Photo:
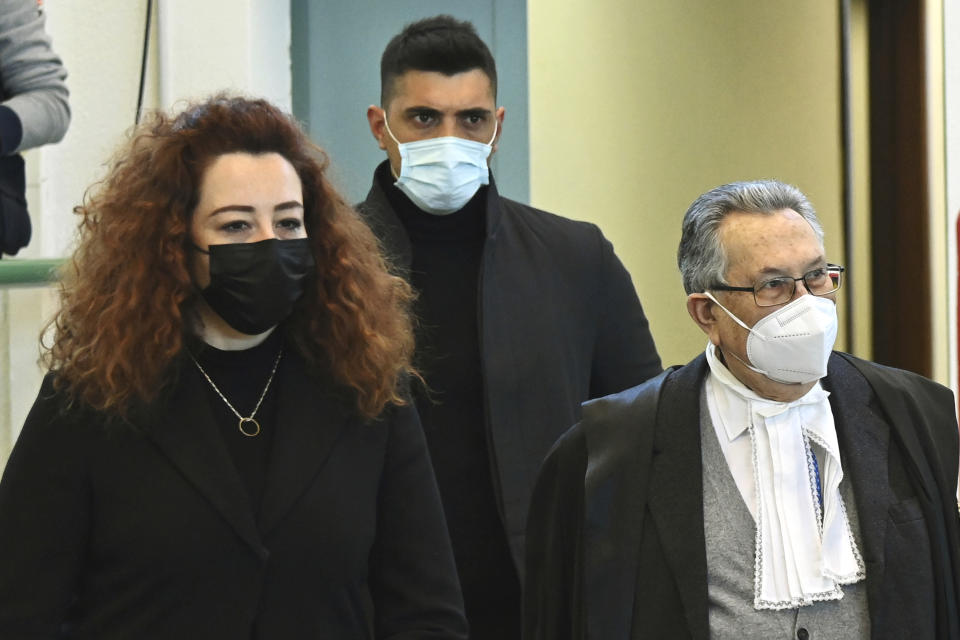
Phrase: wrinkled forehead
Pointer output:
(776, 242)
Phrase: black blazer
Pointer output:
(113, 531)
(616, 544)
(560, 323)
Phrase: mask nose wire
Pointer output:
(386, 122)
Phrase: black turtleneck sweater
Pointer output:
(445, 270)
(241, 377)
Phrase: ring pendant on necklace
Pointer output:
(252, 429)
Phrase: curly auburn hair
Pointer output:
(127, 300)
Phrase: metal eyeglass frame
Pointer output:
(830, 268)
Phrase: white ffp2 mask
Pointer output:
(440, 175)
(793, 344)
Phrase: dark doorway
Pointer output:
(899, 196)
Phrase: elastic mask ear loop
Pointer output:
(386, 123)
(496, 125)
(742, 324)
(729, 313)
(196, 248)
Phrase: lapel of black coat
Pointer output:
(676, 484)
(619, 438)
(676, 491)
(385, 224)
(311, 417)
(383, 220)
(182, 426)
(864, 438)
(913, 409)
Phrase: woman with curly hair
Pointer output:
(222, 447)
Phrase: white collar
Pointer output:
(803, 553)
(737, 406)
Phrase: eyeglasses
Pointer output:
(769, 293)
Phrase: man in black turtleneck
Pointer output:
(522, 314)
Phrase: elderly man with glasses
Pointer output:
(771, 488)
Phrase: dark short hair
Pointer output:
(442, 44)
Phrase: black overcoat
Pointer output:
(616, 546)
(560, 322)
(120, 532)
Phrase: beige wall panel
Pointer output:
(637, 107)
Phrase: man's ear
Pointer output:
(499, 115)
(376, 117)
(704, 312)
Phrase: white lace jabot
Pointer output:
(803, 553)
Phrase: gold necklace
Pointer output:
(254, 429)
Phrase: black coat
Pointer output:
(559, 322)
(618, 552)
(148, 532)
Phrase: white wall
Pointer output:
(197, 48)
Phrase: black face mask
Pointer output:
(254, 285)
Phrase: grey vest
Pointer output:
(730, 532)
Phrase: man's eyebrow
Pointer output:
(777, 271)
(417, 111)
(475, 111)
(463, 113)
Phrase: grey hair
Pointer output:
(701, 256)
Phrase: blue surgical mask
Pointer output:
(440, 175)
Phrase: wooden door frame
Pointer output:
(899, 191)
